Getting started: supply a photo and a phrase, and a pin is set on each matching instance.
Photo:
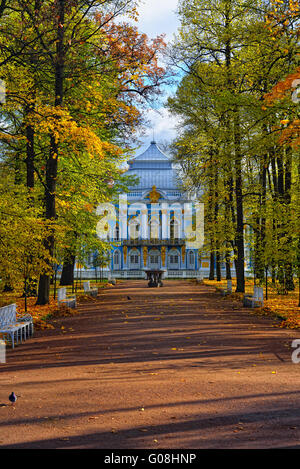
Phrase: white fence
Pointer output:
(140, 274)
(136, 274)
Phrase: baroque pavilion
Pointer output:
(155, 238)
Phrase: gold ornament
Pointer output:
(125, 253)
(154, 195)
(183, 253)
(145, 254)
(163, 255)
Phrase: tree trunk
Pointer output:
(227, 263)
(212, 266)
(67, 275)
(239, 238)
(260, 229)
(289, 271)
(30, 157)
(218, 265)
(51, 166)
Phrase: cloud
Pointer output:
(162, 125)
(158, 17)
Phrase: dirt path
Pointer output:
(175, 367)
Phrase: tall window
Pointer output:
(154, 229)
(117, 259)
(174, 259)
(191, 259)
(116, 235)
(174, 229)
(134, 228)
(154, 258)
(134, 259)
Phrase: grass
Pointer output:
(43, 314)
(284, 307)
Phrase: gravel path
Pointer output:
(177, 367)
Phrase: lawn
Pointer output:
(284, 307)
(42, 314)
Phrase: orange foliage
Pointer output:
(284, 307)
(38, 313)
(279, 22)
(134, 56)
(283, 88)
(290, 134)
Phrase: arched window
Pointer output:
(191, 260)
(134, 259)
(116, 235)
(154, 229)
(174, 229)
(174, 259)
(154, 259)
(117, 260)
(134, 229)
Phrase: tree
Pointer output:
(231, 62)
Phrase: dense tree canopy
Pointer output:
(76, 79)
(238, 144)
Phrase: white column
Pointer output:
(123, 217)
(144, 233)
(164, 222)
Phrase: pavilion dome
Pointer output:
(153, 168)
(153, 153)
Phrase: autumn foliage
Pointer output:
(286, 90)
(77, 79)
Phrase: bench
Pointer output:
(62, 298)
(88, 290)
(228, 290)
(16, 329)
(256, 300)
(199, 280)
(225, 291)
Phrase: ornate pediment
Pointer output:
(154, 195)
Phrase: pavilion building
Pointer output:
(154, 237)
(152, 232)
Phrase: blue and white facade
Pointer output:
(154, 237)
(149, 235)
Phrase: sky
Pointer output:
(158, 17)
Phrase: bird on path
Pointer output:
(13, 398)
